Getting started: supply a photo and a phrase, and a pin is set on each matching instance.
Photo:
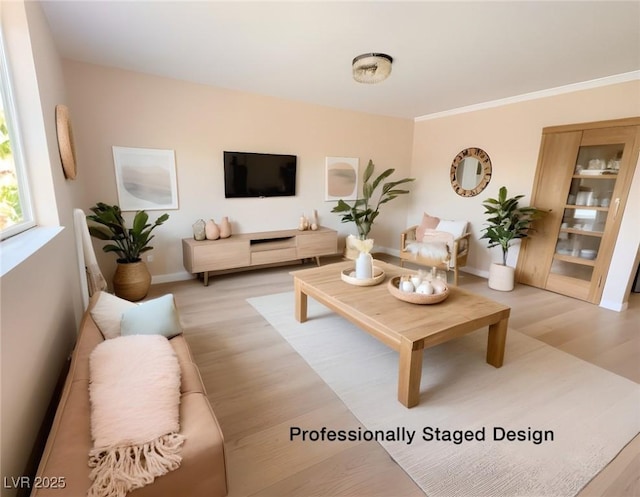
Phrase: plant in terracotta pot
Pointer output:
(364, 210)
(507, 222)
(132, 278)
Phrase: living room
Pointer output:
(119, 107)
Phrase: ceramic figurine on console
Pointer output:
(212, 231)
(225, 228)
(199, 230)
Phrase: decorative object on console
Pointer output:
(315, 224)
(363, 213)
(225, 228)
(371, 67)
(199, 230)
(145, 178)
(65, 142)
(303, 225)
(132, 278)
(212, 232)
(506, 222)
(470, 172)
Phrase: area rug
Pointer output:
(542, 425)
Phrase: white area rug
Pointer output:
(592, 413)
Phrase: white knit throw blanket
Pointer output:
(135, 399)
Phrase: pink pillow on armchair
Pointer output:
(428, 223)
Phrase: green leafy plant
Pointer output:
(365, 210)
(129, 243)
(507, 221)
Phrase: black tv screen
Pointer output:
(249, 174)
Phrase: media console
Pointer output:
(256, 249)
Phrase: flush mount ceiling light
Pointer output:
(371, 67)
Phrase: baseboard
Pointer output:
(171, 277)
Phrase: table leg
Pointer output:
(409, 374)
(496, 342)
(301, 302)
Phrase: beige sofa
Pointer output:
(65, 459)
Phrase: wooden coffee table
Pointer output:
(407, 328)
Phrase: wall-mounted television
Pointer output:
(248, 174)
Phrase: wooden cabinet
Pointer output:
(583, 178)
(255, 249)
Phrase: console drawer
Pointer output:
(269, 256)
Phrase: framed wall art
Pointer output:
(341, 178)
(145, 178)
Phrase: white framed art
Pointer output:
(341, 178)
(145, 178)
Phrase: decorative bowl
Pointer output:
(378, 277)
(414, 298)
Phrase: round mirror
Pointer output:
(470, 172)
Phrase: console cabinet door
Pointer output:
(582, 181)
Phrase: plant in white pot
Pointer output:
(132, 279)
(366, 209)
(507, 222)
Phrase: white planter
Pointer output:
(501, 277)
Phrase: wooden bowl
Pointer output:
(378, 277)
(414, 298)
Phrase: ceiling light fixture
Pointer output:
(371, 67)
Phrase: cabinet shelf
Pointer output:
(588, 207)
(574, 260)
(595, 176)
(597, 234)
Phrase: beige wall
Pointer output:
(115, 107)
(40, 298)
(510, 134)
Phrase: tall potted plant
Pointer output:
(364, 210)
(132, 279)
(507, 222)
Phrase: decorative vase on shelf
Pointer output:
(225, 228)
(212, 231)
(199, 230)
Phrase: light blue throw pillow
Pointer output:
(154, 317)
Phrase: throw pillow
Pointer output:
(428, 223)
(107, 313)
(153, 317)
(456, 228)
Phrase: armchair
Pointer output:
(445, 246)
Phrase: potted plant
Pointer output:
(132, 279)
(506, 222)
(366, 209)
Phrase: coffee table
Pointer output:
(404, 327)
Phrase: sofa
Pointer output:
(64, 468)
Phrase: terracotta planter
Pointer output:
(131, 280)
(501, 277)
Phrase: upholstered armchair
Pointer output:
(436, 243)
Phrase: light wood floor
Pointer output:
(259, 386)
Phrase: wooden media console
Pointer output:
(246, 250)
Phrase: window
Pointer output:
(16, 214)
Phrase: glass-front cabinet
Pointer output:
(582, 181)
